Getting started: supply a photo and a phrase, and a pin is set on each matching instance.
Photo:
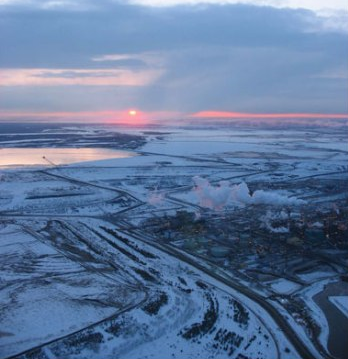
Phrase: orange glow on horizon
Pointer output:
(227, 114)
(129, 117)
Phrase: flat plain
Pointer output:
(192, 242)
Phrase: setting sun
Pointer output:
(132, 112)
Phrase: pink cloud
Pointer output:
(226, 114)
(83, 77)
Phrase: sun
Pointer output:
(133, 117)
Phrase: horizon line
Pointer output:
(117, 115)
(251, 115)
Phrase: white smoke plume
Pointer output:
(277, 229)
(155, 198)
(219, 196)
(210, 196)
(270, 217)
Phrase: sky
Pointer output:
(173, 57)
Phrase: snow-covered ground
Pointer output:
(341, 302)
(283, 286)
(46, 294)
(81, 277)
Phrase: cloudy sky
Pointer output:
(173, 56)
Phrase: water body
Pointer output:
(338, 322)
(56, 156)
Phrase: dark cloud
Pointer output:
(232, 57)
(255, 79)
(63, 37)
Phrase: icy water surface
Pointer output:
(57, 156)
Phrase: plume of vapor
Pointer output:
(155, 198)
(270, 217)
(215, 197)
(223, 194)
